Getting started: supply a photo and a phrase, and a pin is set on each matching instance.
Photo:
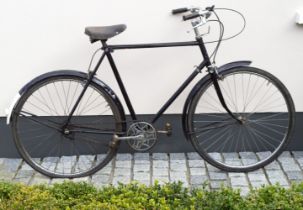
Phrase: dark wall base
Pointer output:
(174, 143)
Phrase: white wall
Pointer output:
(38, 36)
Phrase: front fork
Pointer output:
(215, 76)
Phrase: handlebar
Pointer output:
(195, 12)
(191, 16)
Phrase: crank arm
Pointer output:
(125, 138)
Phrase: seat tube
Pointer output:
(120, 83)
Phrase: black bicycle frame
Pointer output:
(206, 62)
(108, 49)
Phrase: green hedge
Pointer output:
(71, 195)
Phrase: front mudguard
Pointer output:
(83, 75)
(200, 84)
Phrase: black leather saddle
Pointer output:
(97, 33)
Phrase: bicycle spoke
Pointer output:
(262, 110)
(42, 130)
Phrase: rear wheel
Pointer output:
(56, 150)
(266, 113)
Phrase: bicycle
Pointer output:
(70, 124)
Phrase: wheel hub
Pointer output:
(242, 119)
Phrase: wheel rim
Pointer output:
(263, 110)
(57, 150)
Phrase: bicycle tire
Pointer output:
(239, 158)
(46, 100)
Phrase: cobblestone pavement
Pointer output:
(186, 167)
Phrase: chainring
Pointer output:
(149, 136)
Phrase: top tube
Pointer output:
(153, 45)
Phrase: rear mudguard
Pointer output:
(199, 84)
(83, 75)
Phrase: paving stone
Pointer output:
(198, 179)
(82, 179)
(217, 175)
(106, 170)
(255, 177)
(51, 159)
(24, 174)
(123, 164)
(300, 162)
(85, 162)
(248, 155)
(215, 184)
(165, 168)
(248, 161)
(59, 180)
(66, 164)
(177, 156)
(142, 162)
(212, 168)
(197, 186)
(141, 168)
(294, 175)
(10, 165)
(244, 190)
(101, 157)
(263, 155)
(298, 154)
(196, 163)
(122, 172)
(238, 182)
(160, 156)
(100, 180)
(216, 156)
(276, 176)
(40, 179)
(161, 179)
(197, 171)
(231, 156)
(177, 176)
(285, 154)
(142, 176)
(273, 166)
(181, 161)
(282, 182)
(178, 167)
(233, 162)
(160, 172)
(236, 174)
(160, 164)
(290, 165)
(141, 156)
(194, 156)
(258, 184)
(121, 179)
(145, 182)
(124, 157)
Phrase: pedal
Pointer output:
(167, 130)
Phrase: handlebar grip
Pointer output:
(179, 10)
(191, 16)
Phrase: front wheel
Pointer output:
(61, 150)
(265, 111)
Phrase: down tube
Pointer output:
(179, 91)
